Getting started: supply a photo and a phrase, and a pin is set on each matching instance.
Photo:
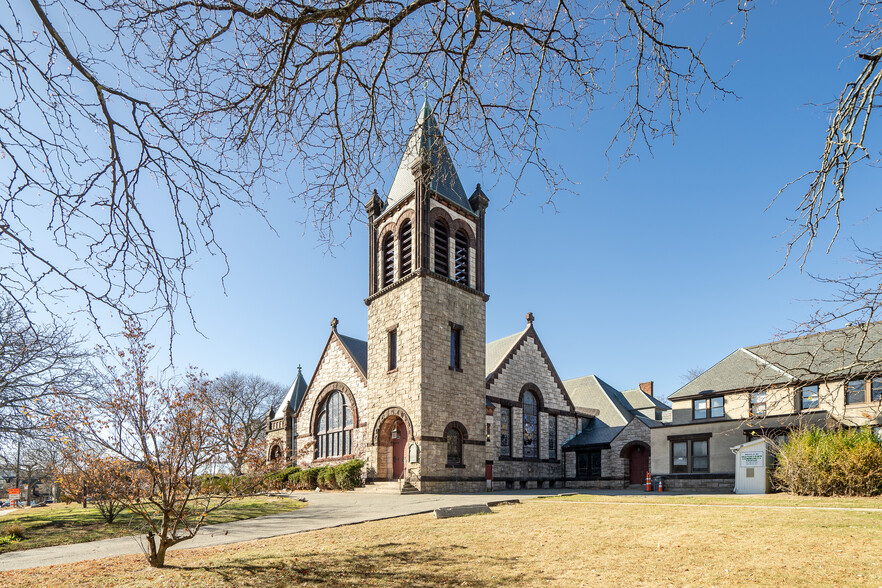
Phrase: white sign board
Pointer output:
(752, 459)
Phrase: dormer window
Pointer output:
(388, 249)
(441, 254)
(405, 240)
(461, 259)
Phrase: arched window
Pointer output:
(333, 428)
(461, 259)
(531, 425)
(275, 453)
(388, 260)
(454, 446)
(441, 254)
(405, 242)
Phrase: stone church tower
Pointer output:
(426, 320)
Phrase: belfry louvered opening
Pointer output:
(388, 260)
(461, 260)
(405, 242)
(441, 256)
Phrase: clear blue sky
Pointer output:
(652, 268)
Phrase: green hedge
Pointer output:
(819, 462)
(345, 476)
(348, 475)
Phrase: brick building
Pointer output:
(425, 399)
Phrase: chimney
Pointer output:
(646, 387)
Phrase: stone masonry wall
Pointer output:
(447, 394)
(529, 366)
(397, 309)
(334, 366)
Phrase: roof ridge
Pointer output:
(809, 335)
(768, 363)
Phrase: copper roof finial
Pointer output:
(530, 317)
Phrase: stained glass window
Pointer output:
(333, 429)
(505, 431)
(454, 446)
(531, 425)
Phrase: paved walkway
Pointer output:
(325, 509)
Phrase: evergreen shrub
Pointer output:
(348, 475)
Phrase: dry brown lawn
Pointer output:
(61, 524)
(567, 543)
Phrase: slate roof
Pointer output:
(357, 349)
(498, 350)
(590, 392)
(294, 396)
(637, 399)
(426, 138)
(831, 354)
(594, 436)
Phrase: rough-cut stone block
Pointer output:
(461, 511)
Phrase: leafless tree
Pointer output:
(691, 374)
(39, 363)
(150, 444)
(131, 123)
(848, 144)
(239, 403)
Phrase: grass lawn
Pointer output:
(778, 499)
(59, 524)
(539, 542)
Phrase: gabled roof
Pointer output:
(357, 350)
(498, 350)
(426, 139)
(637, 399)
(294, 396)
(591, 392)
(855, 350)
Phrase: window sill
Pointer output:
(454, 369)
(454, 465)
(392, 371)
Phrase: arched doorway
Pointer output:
(393, 436)
(637, 454)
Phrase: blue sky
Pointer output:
(651, 268)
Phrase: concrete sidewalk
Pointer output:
(326, 509)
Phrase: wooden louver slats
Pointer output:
(388, 260)
(441, 256)
(461, 261)
(406, 244)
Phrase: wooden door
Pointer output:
(639, 464)
(398, 446)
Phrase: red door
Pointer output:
(639, 464)
(398, 450)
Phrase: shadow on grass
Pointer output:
(387, 564)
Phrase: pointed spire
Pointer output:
(427, 142)
(424, 112)
(294, 396)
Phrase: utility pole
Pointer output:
(17, 460)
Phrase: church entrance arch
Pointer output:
(392, 433)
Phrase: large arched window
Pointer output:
(531, 425)
(461, 259)
(333, 428)
(441, 252)
(388, 248)
(453, 436)
(405, 242)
